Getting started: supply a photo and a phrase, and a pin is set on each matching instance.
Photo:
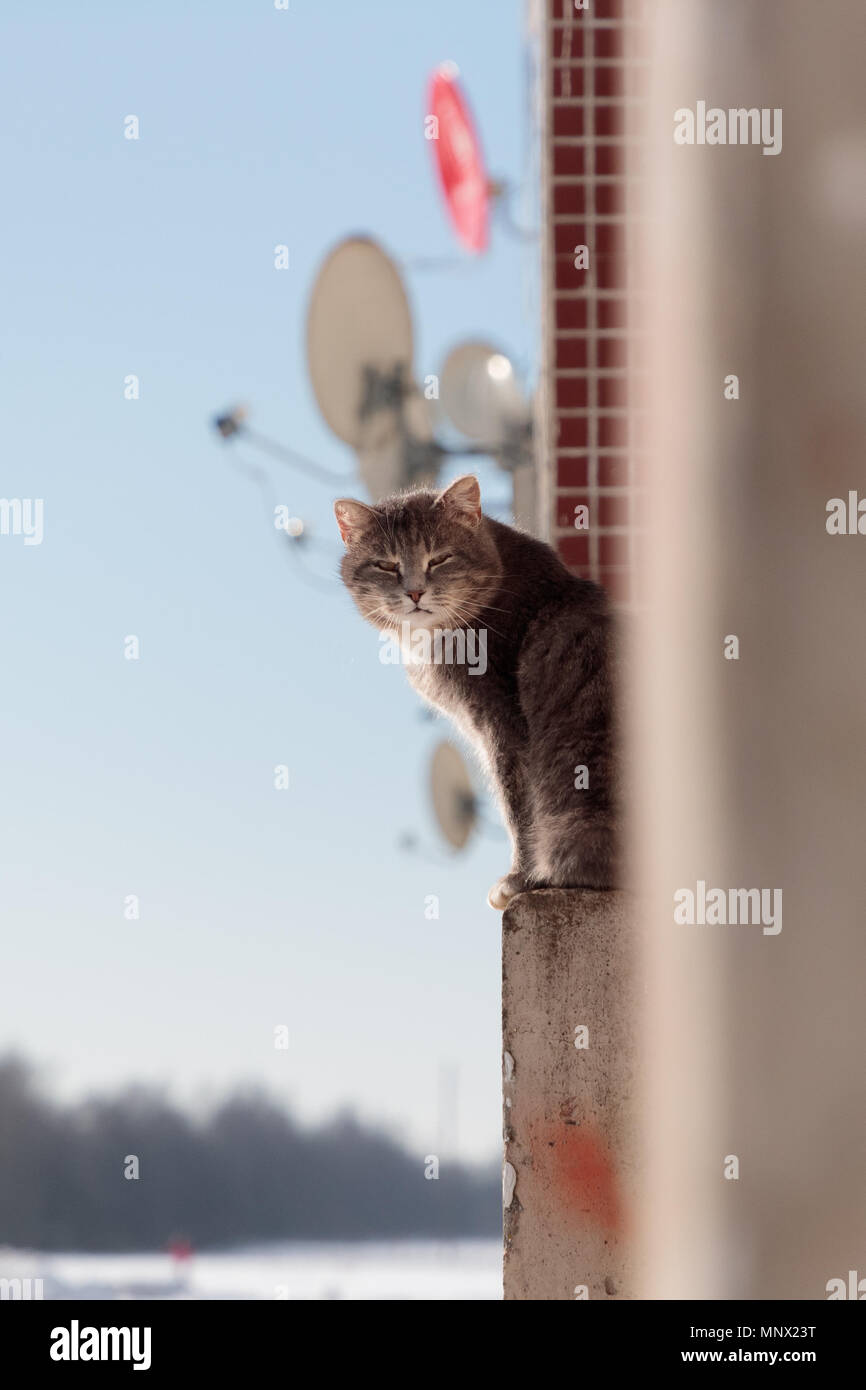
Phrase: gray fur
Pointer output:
(545, 703)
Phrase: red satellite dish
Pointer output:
(459, 159)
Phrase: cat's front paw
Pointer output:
(504, 889)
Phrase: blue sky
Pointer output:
(156, 257)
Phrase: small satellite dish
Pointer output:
(455, 804)
(359, 354)
(482, 397)
(459, 159)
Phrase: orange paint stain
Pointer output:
(581, 1171)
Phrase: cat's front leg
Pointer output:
(506, 888)
(511, 786)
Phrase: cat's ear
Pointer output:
(462, 499)
(352, 518)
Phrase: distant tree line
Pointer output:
(245, 1173)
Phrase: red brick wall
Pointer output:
(592, 427)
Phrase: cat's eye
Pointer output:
(386, 565)
(437, 560)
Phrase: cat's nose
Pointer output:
(415, 594)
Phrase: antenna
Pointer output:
(231, 425)
(359, 355)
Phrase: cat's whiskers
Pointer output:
(461, 610)
(380, 613)
(468, 621)
(451, 612)
(454, 619)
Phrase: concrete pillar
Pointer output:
(569, 1011)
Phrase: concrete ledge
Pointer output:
(569, 1177)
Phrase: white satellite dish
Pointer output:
(482, 396)
(455, 804)
(359, 353)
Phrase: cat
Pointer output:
(542, 714)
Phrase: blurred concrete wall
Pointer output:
(753, 771)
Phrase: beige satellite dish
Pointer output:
(481, 395)
(454, 799)
(358, 321)
(359, 354)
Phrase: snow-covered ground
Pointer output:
(425, 1270)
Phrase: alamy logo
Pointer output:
(846, 520)
(22, 516)
(421, 646)
(856, 1287)
(720, 907)
(75, 1343)
(21, 1289)
(737, 126)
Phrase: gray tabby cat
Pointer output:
(544, 704)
